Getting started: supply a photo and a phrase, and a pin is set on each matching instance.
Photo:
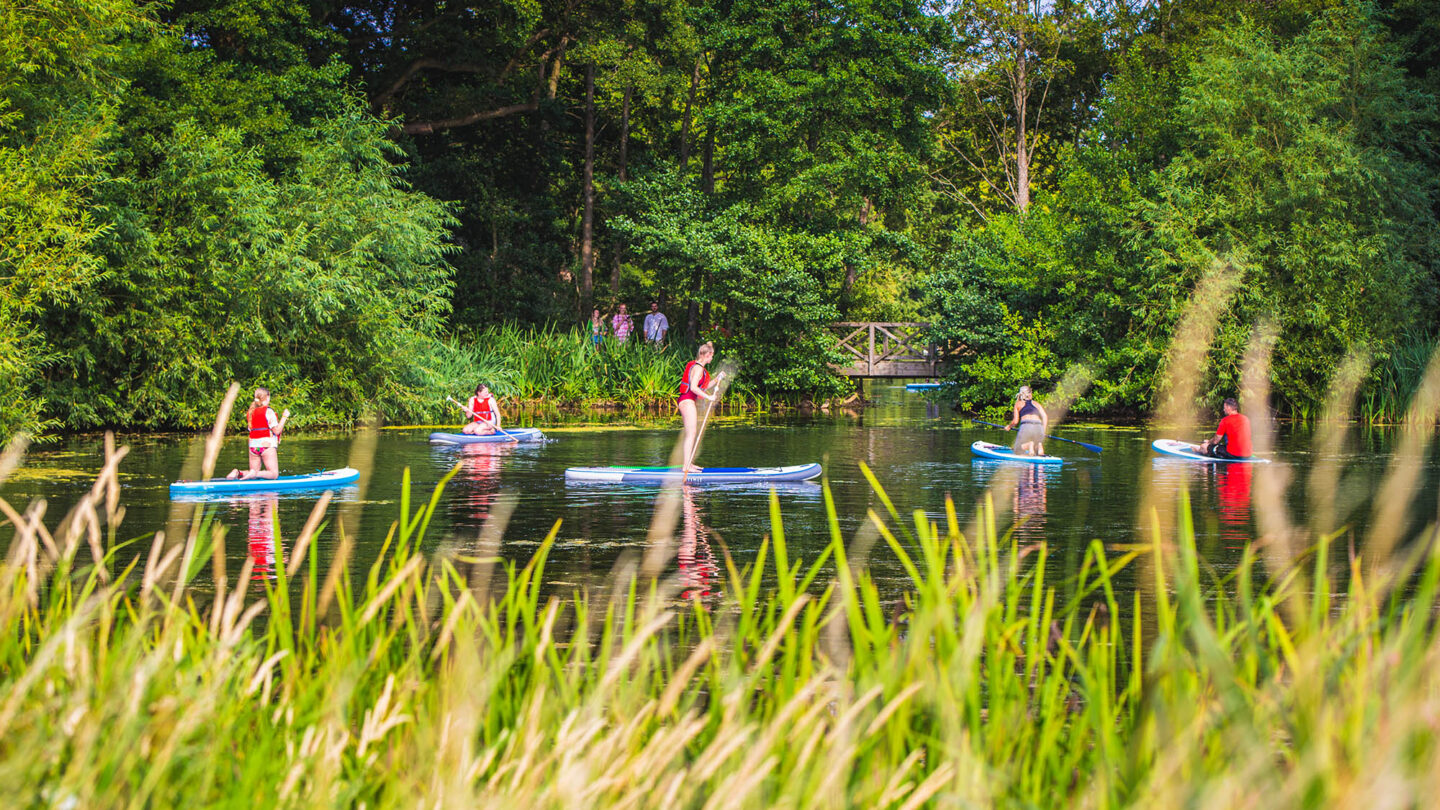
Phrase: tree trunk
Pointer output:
(707, 171)
(587, 220)
(1022, 151)
(624, 132)
(852, 273)
(616, 253)
(685, 122)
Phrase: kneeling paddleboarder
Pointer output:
(1031, 418)
(484, 413)
(265, 430)
(694, 384)
(1232, 436)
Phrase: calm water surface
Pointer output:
(918, 451)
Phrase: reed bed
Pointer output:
(545, 368)
(134, 678)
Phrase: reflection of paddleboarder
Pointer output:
(480, 465)
(1030, 502)
(1232, 485)
(698, 567)
(260, 533)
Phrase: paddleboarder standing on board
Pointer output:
(265, 429)
(1031, 419)
(1232, 436)
(484, 413)
(694, 384)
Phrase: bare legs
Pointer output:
(477, 429)
(266, 466)
(689, 436)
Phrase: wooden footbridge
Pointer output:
(889, 350)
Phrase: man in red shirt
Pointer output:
(1232, 437)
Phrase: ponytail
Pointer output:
(255, 403)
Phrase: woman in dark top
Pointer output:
(1031, 418)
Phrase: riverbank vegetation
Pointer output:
(325, 199)
(455, 672)
(546, 368)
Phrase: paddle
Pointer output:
(700, 433)
(477, 416)
(1092, 447)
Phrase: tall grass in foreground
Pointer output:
(453, 681)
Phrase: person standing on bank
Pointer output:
(656, 325)
(622, 325)
(1031, 419)
(694, 385)
(265, 430)
(597, 328)
(1232, 435)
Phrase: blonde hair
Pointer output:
(255, 403)
(705, 348)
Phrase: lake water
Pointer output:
(919, 451)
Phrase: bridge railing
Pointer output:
(898, 349)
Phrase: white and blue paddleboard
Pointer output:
(1179, 449)
(510, 435)
(707, 475)
(326, 479)
(1002, 453)
(923, 386)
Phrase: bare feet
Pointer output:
(233, 475)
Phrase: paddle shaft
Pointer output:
(482, 419)
(690, 457)
(1093, 447)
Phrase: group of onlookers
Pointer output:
(622, 324)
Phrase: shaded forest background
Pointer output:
(346, 201)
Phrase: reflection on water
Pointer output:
(478, 482)
(1232, 484)
(699, 571)
(261, 533)
(1030, 505)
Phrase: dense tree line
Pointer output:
(334, 197)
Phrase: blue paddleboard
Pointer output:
(510, 435)
(327, 479)
(707, 475)
(923, 386)
(1179, 449)
(1003, 453)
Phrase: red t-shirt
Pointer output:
(1235, 429)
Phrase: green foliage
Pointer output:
(57, 92)
(769, 281)
(1300, 159)
(1297, 159)
(207, 222)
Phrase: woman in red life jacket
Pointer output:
(694, 384)
(484, 412)
(265, 429)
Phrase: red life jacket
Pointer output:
(260, 423)
(685, 392)
(481, 410)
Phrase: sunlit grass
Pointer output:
(458, 679)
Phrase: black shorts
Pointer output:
(1219, 451)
